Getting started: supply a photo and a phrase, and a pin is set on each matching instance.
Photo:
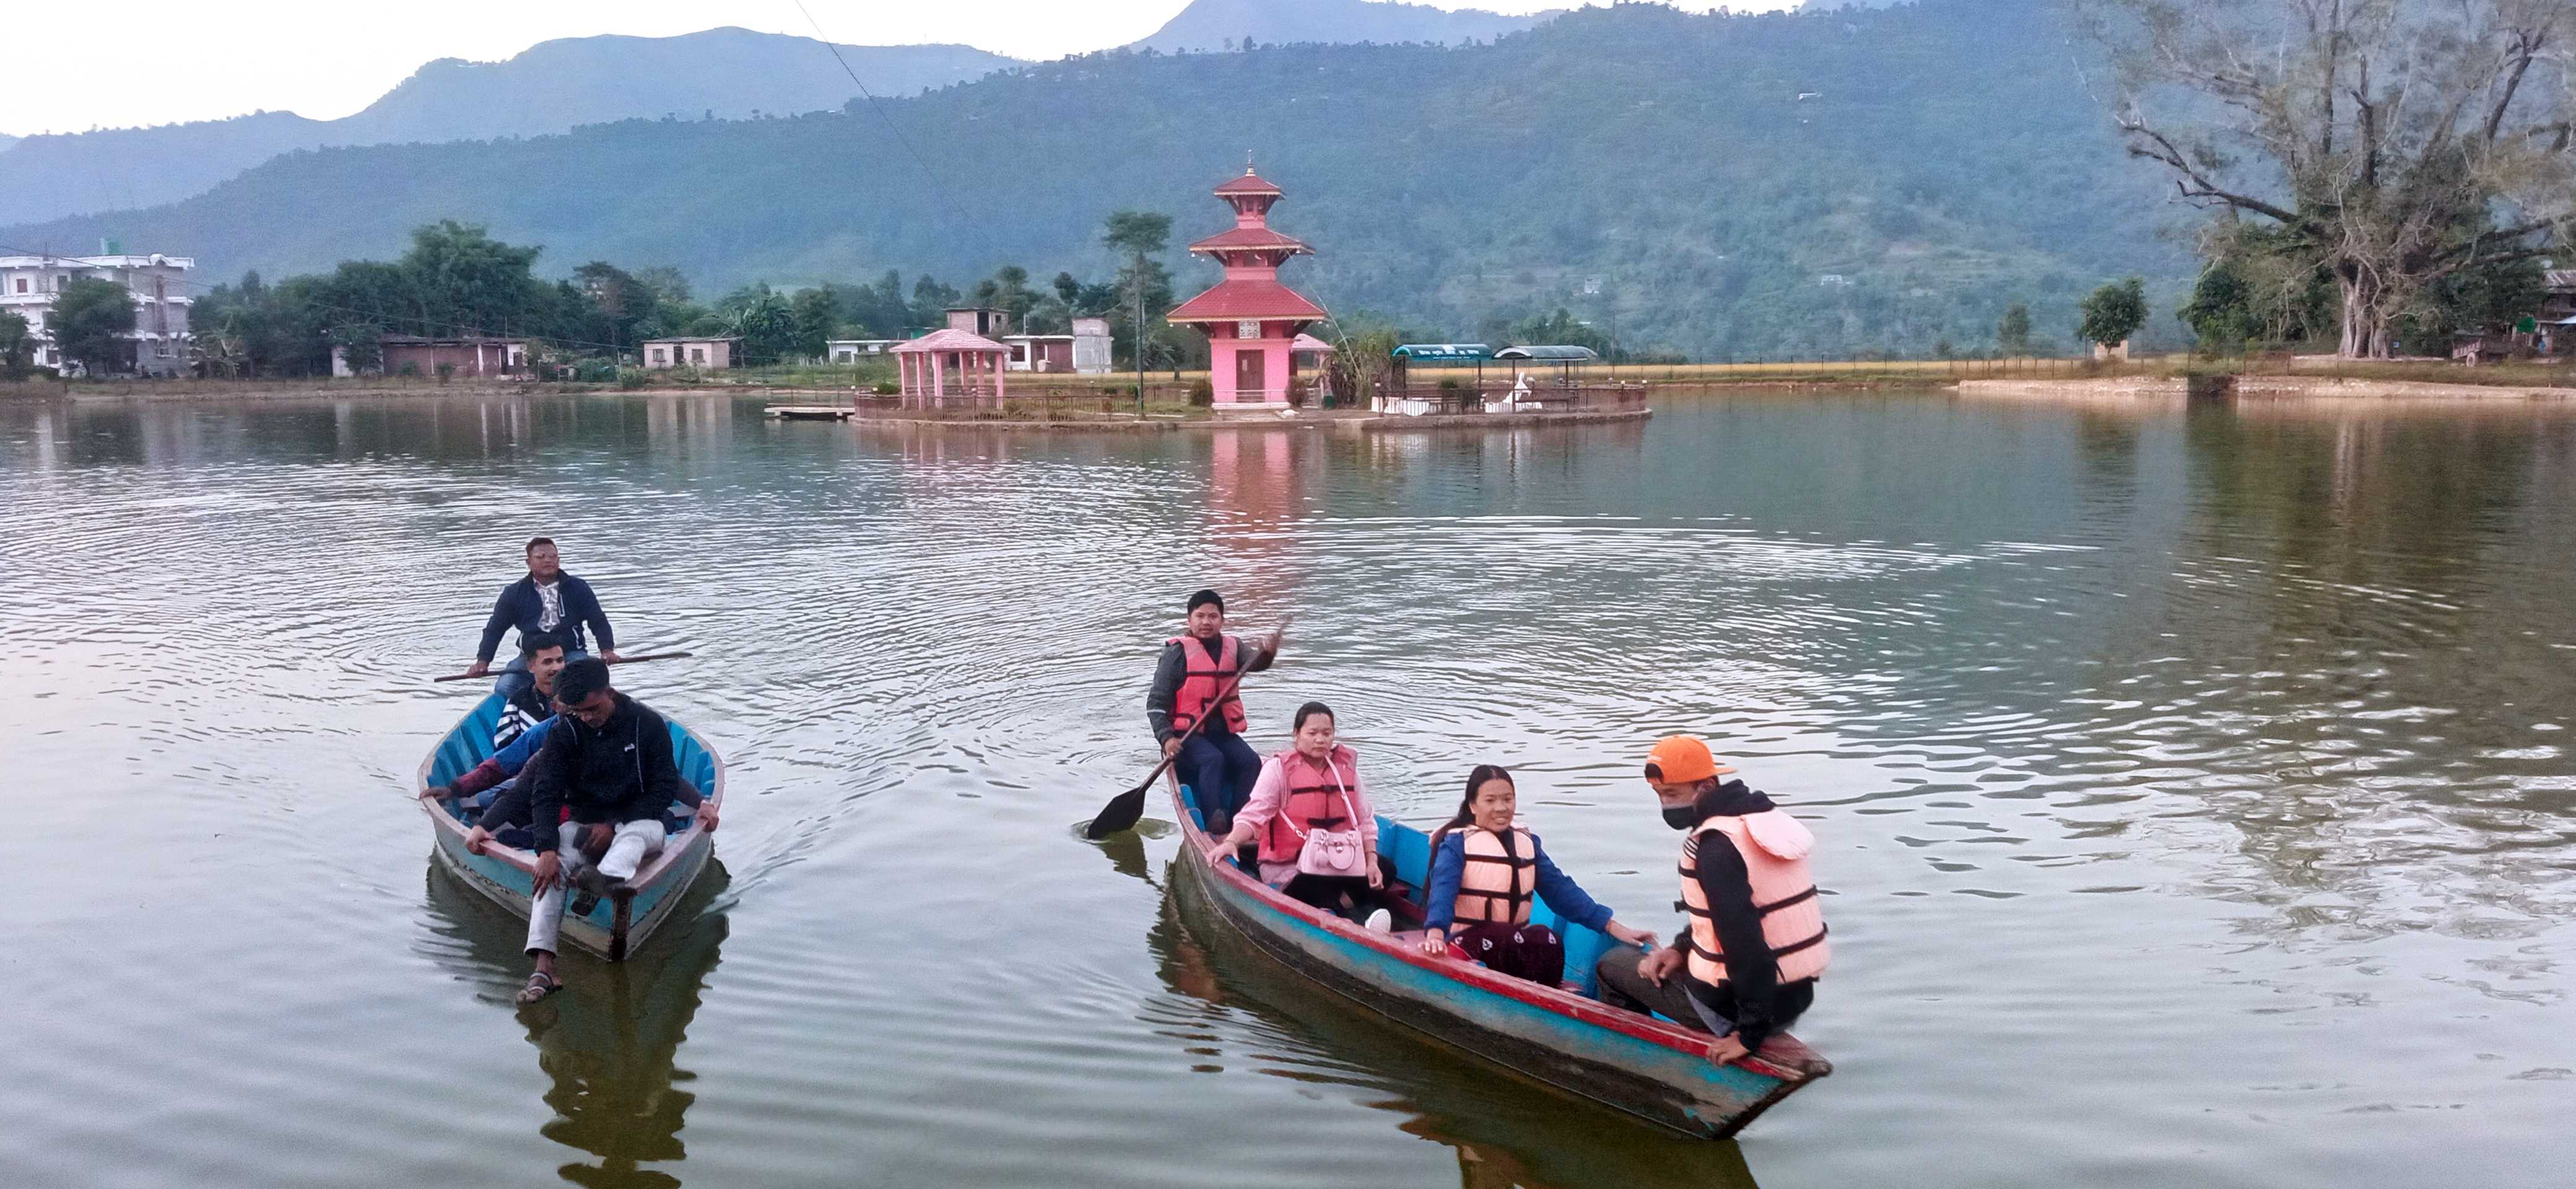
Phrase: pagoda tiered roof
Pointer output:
(1249, 183)
(1237, 299)
(1250, 239)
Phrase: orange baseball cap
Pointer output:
(1682, 759)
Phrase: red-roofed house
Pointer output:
(1251, 320)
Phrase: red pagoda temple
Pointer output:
(1251, 320)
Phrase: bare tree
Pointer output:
(2394, 142)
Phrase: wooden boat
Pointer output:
(1644, 1065)
(626, 913)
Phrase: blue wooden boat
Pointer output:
(626, 913)
(1643, 1065)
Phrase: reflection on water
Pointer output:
(2192, 782)
(609, 1042)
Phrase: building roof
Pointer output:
(1557, 354)
(1246, 239)
(2559, 278)
(1238, 298)
(1308, 342)
(1249, 183)
(1434, 352)
(413, 340)
(1037, 338)
(696, 339)
(949, 339)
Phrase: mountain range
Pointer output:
(1726, 185)
(553, 86)
(559, 85)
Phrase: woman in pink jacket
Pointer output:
(1312, 817)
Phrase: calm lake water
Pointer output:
(2193, 785)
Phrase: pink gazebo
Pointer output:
(926, 364)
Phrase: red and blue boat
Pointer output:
(1559, 1037)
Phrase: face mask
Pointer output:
(1681, 817)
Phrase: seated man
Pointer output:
(541, 656)
(1748, 963)
(494, 788)
(1196, 679)
(602, 780)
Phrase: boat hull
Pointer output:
(1646, 1067)
(622, 919)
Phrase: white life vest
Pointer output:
(1774, 846)
(1500, 877)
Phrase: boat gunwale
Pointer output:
(1795, 1065)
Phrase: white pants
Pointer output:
(627, 851)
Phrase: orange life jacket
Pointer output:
(1774, 846)
(1204, 679)
(1320, 797)
(1500, 878)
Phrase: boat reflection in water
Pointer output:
(608, 1043)
(1506, 1133)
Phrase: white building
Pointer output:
(853, 350)
(1091, 346)
(159, 285)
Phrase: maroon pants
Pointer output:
(1532, 952)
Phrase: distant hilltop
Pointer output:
(1212, 26)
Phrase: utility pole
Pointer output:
(1137, 272)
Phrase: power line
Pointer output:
(936, 178)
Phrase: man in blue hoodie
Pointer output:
(547, 600)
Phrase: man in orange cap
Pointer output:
(1747, 964)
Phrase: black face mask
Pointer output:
(1681, 817)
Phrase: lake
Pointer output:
(2192, 784)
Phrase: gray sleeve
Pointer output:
(1168, 674)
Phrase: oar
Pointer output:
(1122, 810)
(623, 660)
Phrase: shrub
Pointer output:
(887, 388)
(631, 378)
(1202, 394)
(1449, 384)
(446, 370)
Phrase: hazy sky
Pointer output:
(110, 65)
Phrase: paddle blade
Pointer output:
(1120, 813)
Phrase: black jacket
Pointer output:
(619, 771)
(520, 606)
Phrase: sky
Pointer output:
(178, 60)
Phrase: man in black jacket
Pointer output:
(606, 772)
(547, 600)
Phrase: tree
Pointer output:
(764, 321)
(17, 345)
(1144, 289)
(2381, 136)
(2114, 312)
(466, 282)
(816, 312)
(2012, 333)
(87, 320)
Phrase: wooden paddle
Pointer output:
(623, 660)
(1122, 810)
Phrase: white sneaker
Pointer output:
(1380, 921)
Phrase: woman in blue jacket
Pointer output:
(1485, 873)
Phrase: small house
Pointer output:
(413, 355)
(704, 354)
(980, 321)
(855, 350)
(1050, 353)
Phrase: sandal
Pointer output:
(539, 986)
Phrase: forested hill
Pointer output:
(1209, 25)
(552, 86)
(1752, 185)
